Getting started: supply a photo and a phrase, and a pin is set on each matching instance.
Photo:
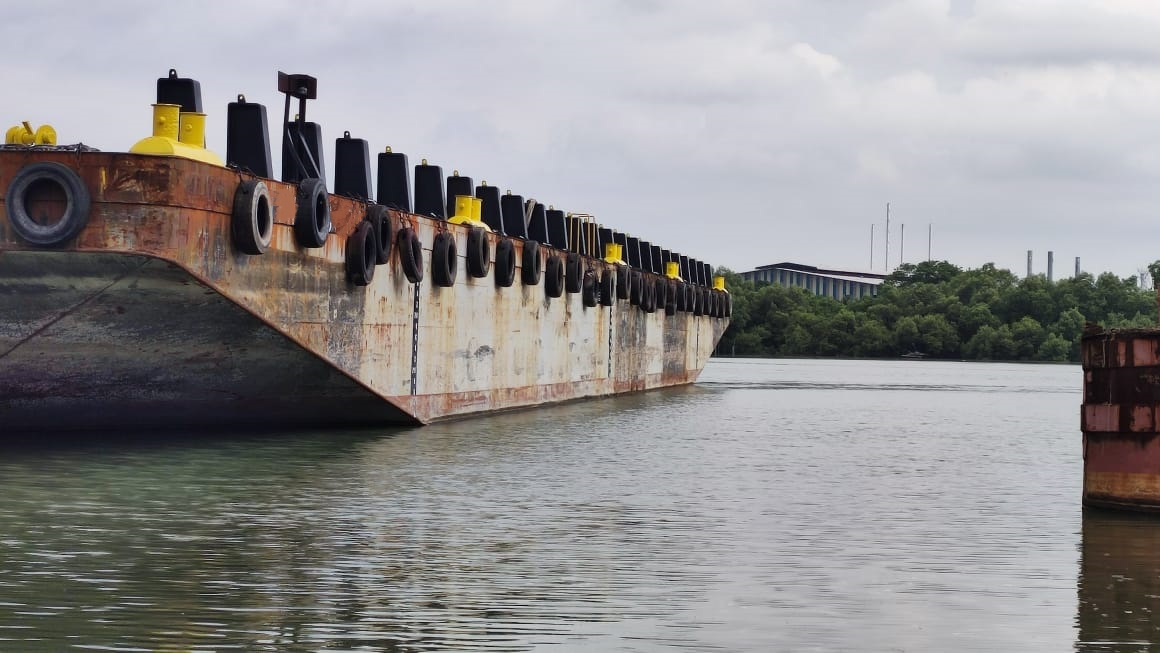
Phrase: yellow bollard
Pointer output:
(191, 127)
(613, 253)
(167, 120)
(673, 270)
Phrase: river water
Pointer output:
(785, 505)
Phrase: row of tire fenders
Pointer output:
(370, 244)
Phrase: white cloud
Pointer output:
(742, 132)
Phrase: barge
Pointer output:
(168, 287)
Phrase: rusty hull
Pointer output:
(151, 317)
(1120, 419)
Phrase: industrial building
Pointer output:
(839, 284)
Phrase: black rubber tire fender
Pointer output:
(554, 276)
(573, 273)
(34, 177)
(312, 215)
(728, 305)
(505, 263)
(671, 297)
(634, 287)
(608, 281)
(383, 227)
(530, 265)
(698, 302)
(588, 289)
(478, 253)
(662, 295)
(649, 296)
(361, 252)
(252, 218)
(410, 255)
(444, 260)
(622, 278)
(690, 297)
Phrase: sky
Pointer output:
(738, 132)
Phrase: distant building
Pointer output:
(838, 284)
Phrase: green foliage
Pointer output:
(938, 309)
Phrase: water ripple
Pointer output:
(778, 505)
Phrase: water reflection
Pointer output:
(781, 505)
(440, 538)
(1119, 583)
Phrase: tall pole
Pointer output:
(901, 242)
(871, 246)
(928, 225)
(886, 259)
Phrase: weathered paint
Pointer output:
(208, 334)
(1120, 419)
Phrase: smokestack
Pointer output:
(1028, 263)
(1077, 266)
(1050, 263)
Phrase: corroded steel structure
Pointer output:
(1121, 418)
(151, 316)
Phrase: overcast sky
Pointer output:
(741, 132)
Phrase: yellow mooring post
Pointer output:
(177, 134)
(612, 253)
(468, 211)
(673, 270)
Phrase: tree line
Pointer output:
(937, 309)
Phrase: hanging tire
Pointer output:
(478, 253)
(505, 263)
(671, 296)
(679, 291)
(554, 276)
(573, 273)
(698, 302)
(312, 216)
(634, 285)
(380, 218)
(622, 279)
(608, 281)
(662, 288)
(35, 190)
(588, 289)
(361, 254)
(444, 260)
(252, 219)
(728, 305)
(531, 263)
(411, 255)
(690, 297)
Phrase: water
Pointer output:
(775, 506)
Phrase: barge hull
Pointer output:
(151, 317)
